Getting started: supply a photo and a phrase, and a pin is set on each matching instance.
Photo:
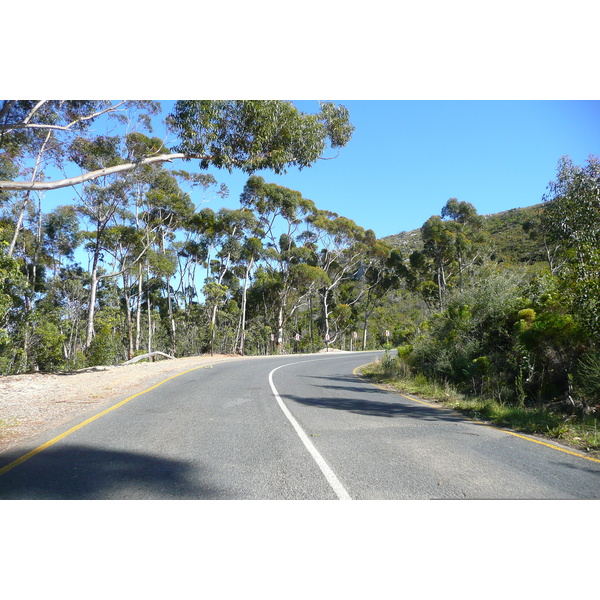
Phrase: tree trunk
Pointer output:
(171, 318)
(280, 330)
(138, 315)
(149, 317)
(326, 318)
(244, 302)
(91, 309)
(127, 295)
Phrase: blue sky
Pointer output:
(406, 158)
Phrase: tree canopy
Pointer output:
(244, 134)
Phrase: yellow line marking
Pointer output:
(53, 441)
(549, 445)
(474, 421)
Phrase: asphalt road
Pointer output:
(291, 427)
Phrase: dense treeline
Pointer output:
(138, 263)
(164, 273)
(496, 326)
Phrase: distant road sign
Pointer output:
(387, 333)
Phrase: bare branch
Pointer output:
(25, 124)
(54, 185)
(35, 109)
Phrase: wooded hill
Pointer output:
(513, 235)
(509, 302)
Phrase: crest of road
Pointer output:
(300, 427)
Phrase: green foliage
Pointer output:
(105, 348)
(256, 134)
(48, 346)
(587, 379)
(12, 282)
(571, 220)
(472, 333)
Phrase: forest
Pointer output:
(503, 306)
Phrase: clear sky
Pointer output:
(481, 100)
(406, 158)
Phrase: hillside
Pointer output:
(511, 234)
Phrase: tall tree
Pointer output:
(251, 252)
(281, 213)
(342, 247)
(168, 208)
(37, 134)
(242, 134)
(466, 227)
(572, 220)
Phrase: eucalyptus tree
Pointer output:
(125, 244)
(342, 246)
(37, 134)
(192, 250)
(571, 220)
(252, 249)
(224, 233)
(466, 225)
(167, 209)
(282, 216)
(382, 271)
(233, 228)
(439, 240)
(240, 134)
(447, 246)
(98, 205)
(61, 235)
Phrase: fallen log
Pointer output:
(147, 355)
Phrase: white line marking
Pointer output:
(333, 481)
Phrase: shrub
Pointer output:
(47, 349)
(105, 349)
(587, 379)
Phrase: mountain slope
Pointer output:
(511, 233)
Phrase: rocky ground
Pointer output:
(35, 402)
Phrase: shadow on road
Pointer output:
(83, 473)
(358, 398)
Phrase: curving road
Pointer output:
(290, 427)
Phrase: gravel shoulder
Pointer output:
(32, 403)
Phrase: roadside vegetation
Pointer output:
(498, 315)
(580, 430)
(504, 320)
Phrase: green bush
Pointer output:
(587, 379)
(47, 351)
(470, 343)
(105, 348)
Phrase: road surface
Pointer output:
(289, 427)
